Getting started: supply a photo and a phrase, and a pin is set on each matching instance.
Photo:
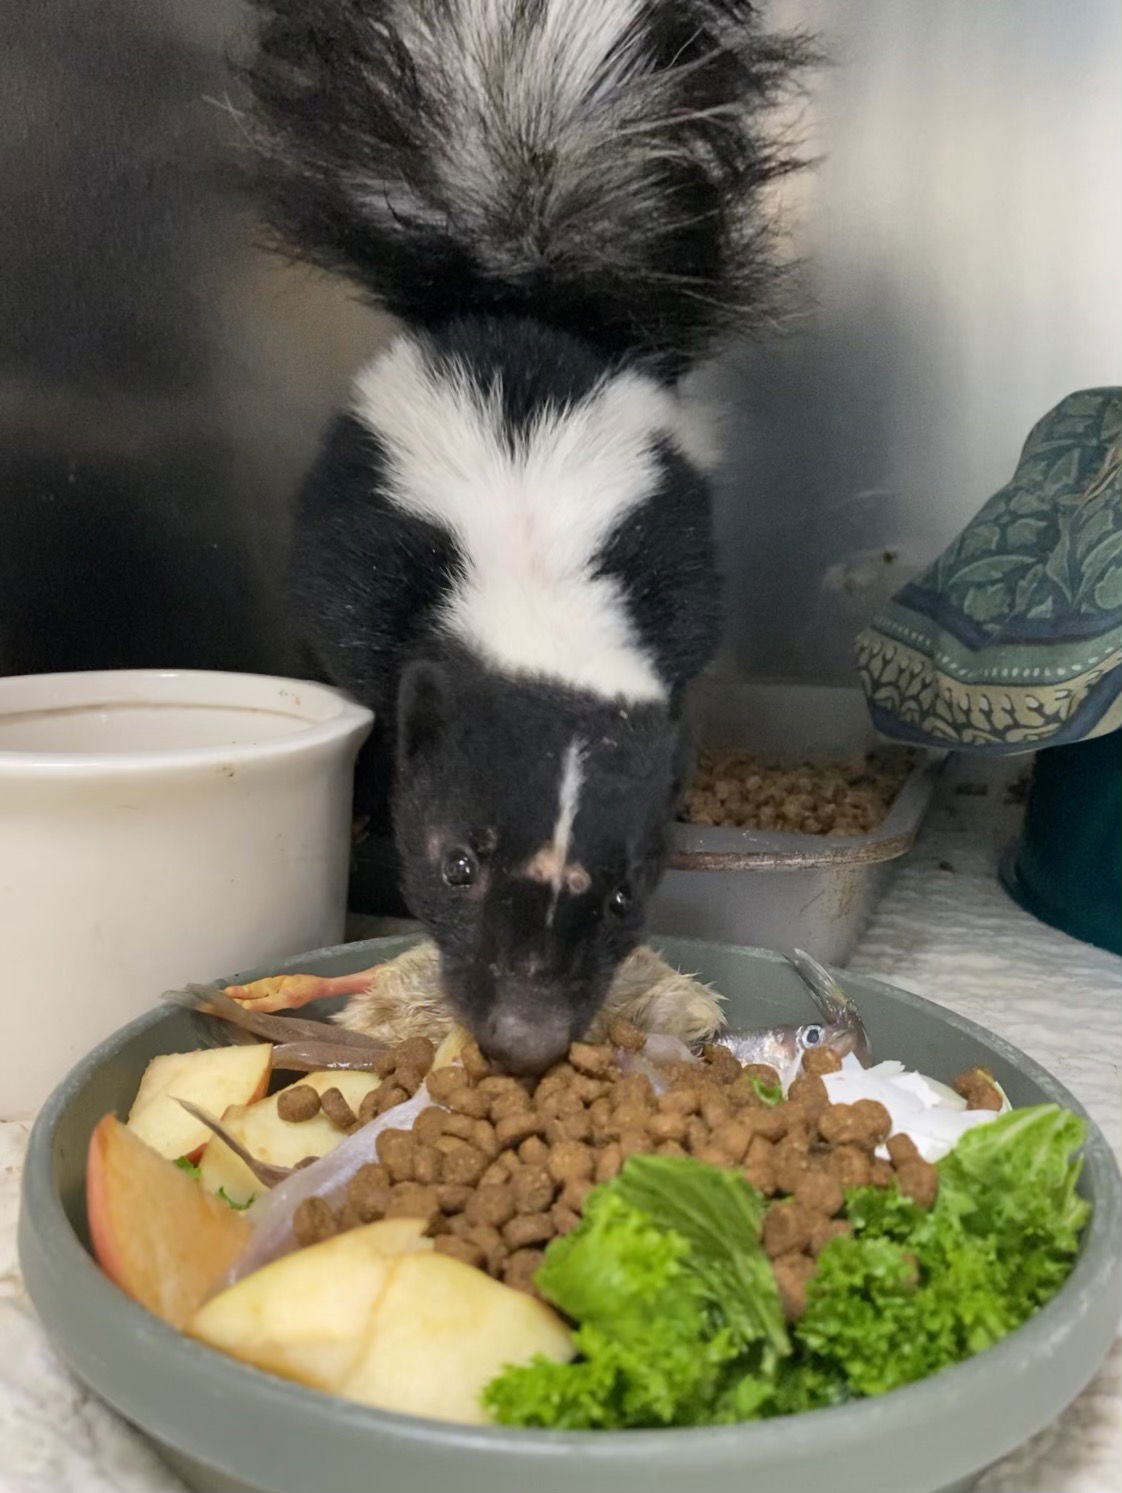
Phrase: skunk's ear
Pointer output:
(423, 708)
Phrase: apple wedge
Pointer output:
(307, 1316)
(155, 1233)
(266, 1136)
(440, 1332)
(214, 1078)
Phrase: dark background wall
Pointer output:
(162, 382)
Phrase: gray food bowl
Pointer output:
(224, 1426)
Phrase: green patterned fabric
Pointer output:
(1012, 639)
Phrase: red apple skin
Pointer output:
(154, 1232)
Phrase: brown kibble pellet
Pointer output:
(679, 1102)
(413, 1201)
(444, 1082)
(733, 1138)
(713, 1155)
(395, 1152)
(368, 1109)
(821, 1060)
(830, 1228)
(534, 1189)
(484, 1139)
(770, 1122)
(697, 1133)
(759, 1165)
(465, 1165)
(528, 1228)
(820, 1192)
(608, 1162)
(715, 1109)
(787, 1228)
(496, 1171)
(457, 1124)
(790, 1164)
(300, 1102)
(978, 1088)
(487, 1237)
(881, 1173)
(384, 1064)
(368, 1193)
(631, 1116)
(809, 1093)
(415, 1052)
(593, 1059)
(633, 1089)
(428, 1164)
(588, 1090)
(574, 1194)
(565, 1219)
(453, 1197)
(499, 1083)
(665, 1126)
(670, 1148)
(842, 1125)
(475, 1065)
(466, 1250)
(570, 1161)
(576, 1125)
(510, 1102)
(623, 1034)
(634, 1143)
(918, 1180)
(513, 1129)
(494, 1204)
(533, 1151)
(466, 1101)
(313, 1221)
(385, 1097)
(722, 1065)
(793, 1273)
(876, 1120)
(851, 1165)
(337, 1110)
(428, 1127)
(520, 1269)
(901, 1148)
(409, 1079)
(437, 1225)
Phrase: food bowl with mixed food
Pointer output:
(756, 1225)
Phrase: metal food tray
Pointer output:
(814, 892)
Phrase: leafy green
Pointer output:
(185, 1164)
(912, 1292)
(770, 1093)
(680, 1320)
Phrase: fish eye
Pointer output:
(619, 903)
(811, 1036)
(459, 868)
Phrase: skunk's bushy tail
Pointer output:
(597, 164)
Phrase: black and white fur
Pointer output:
(505, 546)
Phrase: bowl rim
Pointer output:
(1094, 1284)
(345, 718)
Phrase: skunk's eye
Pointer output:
(459, 868)
(811, 1036)
(619, 902)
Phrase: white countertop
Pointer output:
(945, 930)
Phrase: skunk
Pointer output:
(505, 544)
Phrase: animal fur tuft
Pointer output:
(597, 165)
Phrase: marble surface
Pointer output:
(945, 930)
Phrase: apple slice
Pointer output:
(451, 1047)
(266, 1136)
(155, 1233)
(306, 1316)
(213, 1078)
(440, 1332)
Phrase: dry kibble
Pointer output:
(830, 1228)
(385, 1097)
(466, 1250)
(594, 1059)
(428, 1127)
(712, 1155)
(415, 1052)
(534, 1189)
(470, 1102)
(697, 1133)
(608, 1162)
(464, 1164)
(453, 1197)
(528, 1228)
(793, 1273)
(570, 1161)
(790, 1164)
(667, 1126)
(513, 1129)
(820, 1192)
(475, 1065)
(565, 1219)
(634, 1089)
(428, 1164)
(670, 1148)
(521, 1268)
(901, 1148)
(723, 1066)
(444, 1082)
(313, 1221)
(497, 1170)
(300, 1102)
(881, 1173)
(732, 1137)
(409, 1079)
(809, 1092)
(508, 1102)
(384, 1064)
(574, 1194)
(821, 1060)
(337, 1110)
(918, 1180)
(851, 1165)
(771, 1122)
(412, 1200)
(368, 1192)
(533, 1151)
(493, 1204)
(621, 1033)
(787, 1228)
(715, 1110)
(679, 1102)
(978, 1088)
(395, 1152)
(574, 1125)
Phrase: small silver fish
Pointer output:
(841, 1029)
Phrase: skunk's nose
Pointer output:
(526, 1043)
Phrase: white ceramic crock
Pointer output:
(158, 828)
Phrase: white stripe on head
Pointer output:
(568, 801)
(529, 516)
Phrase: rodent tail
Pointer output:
(596, 164)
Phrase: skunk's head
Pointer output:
(530, 823)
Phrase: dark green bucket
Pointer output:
(1066, 869)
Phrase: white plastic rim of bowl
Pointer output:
(156, 826)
